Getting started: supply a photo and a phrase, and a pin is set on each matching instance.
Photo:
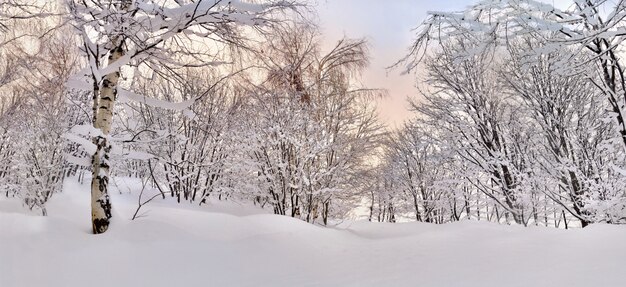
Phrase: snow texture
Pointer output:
(229, 245)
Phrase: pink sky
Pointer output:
(387, 25)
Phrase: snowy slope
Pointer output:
(179, 245)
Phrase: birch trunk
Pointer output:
(103, 115)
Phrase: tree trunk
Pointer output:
(100, 202)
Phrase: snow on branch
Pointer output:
(496, 23)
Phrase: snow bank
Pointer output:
(228, 245)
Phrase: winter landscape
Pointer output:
(312, 143)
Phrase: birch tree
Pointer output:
(149, 37)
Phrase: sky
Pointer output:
(386, 24)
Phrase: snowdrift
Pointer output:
(229, 245)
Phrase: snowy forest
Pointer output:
(230, 135)
(518, 116)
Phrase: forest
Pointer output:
(517, 118)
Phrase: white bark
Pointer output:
(100, 203)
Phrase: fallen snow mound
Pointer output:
(229, 245)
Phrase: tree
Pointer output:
(312, 127)
(419, 170)
(190, 150)
(569, 113)
(536, 123)
(594, 26)
(38, 61)
(152, 38)
(468, 104)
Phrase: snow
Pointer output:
(87, 145)
(226, 244)
(125, 96)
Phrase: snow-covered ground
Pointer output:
(231, 245)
